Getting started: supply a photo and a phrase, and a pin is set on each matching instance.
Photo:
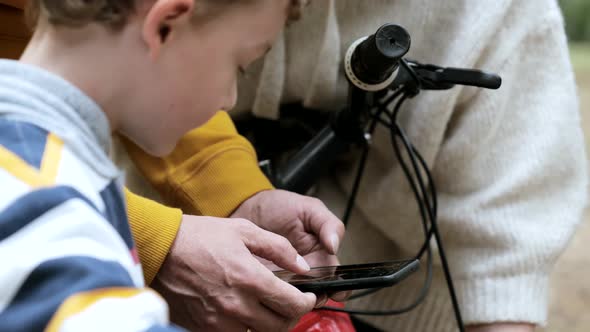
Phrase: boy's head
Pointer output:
(159, 68)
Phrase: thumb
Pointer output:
(325, 225)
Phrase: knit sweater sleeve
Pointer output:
(512, 178)
(211, 171)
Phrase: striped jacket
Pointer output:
(69, 262)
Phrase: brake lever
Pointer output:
(433, 77)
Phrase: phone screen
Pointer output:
(343, 272)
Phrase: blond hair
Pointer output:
(112, 13)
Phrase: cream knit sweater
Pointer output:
(509, 164)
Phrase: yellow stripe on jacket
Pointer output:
(84, 303)
(20, 169)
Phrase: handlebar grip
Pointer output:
(471, 77)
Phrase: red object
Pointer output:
(325, 321)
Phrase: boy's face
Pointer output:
(189, 70)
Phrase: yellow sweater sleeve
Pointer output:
(211, 171)
(154, 227)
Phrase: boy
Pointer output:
(94, 67)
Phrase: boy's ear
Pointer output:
(162, 19)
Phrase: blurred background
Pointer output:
(570, 304)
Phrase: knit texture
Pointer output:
(211, 171)
(154, 227)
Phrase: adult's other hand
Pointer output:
(212, 281)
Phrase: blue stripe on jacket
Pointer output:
(24, 140)
(51, 283)
(116, 212)
(29, 207)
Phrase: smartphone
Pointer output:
(329, 279)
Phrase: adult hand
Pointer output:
(212, 281)
(306, 222)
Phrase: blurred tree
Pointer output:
(577, 19)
